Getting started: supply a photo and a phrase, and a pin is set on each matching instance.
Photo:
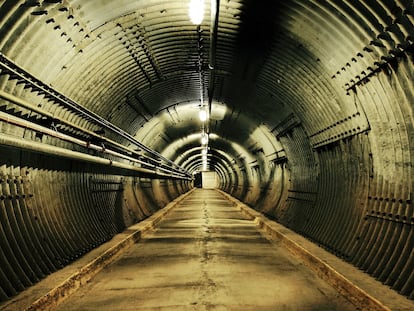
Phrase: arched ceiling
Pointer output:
(143, 66)
(310, 111)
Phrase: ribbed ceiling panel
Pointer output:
(324, 78)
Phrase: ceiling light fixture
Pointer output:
(203, 115)
(204, 139)
(196, 11)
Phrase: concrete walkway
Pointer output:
(206, 255)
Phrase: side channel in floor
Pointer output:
(206, 255)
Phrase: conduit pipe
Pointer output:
(215, 10)
(20, 143)
(20, 74)
(22, 103)
(38, 128)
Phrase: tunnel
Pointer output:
(111, 110)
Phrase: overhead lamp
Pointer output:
(196, 11)
(203, 115)
(204, 139)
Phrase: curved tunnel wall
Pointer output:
(55, 210)
(321, 109)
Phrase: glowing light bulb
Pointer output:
(196, 11)
(203, 115)
(204, 139)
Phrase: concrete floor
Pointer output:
(205, 255)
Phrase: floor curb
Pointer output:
(356, 295)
